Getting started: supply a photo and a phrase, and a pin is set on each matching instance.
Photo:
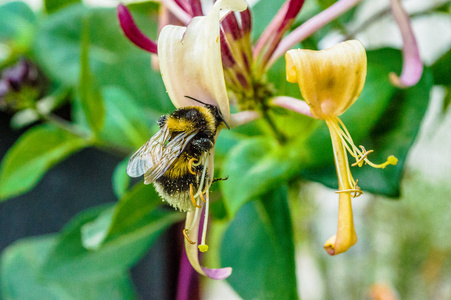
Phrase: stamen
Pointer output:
(355, 191)
(202, 178)
(185, 234)
(203, 247)
(361, 157)
(190, 164)
(202, 197)
(192, 196)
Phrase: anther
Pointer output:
(203, 248)
(185, 234)
(190, 164)
(192, 196)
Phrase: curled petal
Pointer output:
(132, 31)
(311, 26)
(193, 222)
(193, 253)
(330, 80)
(412, 66)
(301, 107)
(190, 60)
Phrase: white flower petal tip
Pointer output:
(234, 5)
(243, 117)
(190, 60)
(296, 105)
(217, 274)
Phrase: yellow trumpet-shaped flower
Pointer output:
(330, 81)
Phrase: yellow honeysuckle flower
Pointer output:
(330, 81)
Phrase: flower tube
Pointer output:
(330, 81)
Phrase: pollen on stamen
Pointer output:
(203, 248)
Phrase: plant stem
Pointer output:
(279, 135)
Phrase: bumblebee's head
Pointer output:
(214, 110)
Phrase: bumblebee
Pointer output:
(175, 159)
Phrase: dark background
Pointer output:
(77, 183)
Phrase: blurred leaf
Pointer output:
(392, 118)
(113, 60)
(20, 278)
(254, 167)
(135, 211)
(126, 124)
(121, 181)
(90, 97)
(441, 69)
(36, 151)
(70, 260)
(326, 3)
(446, 100)
(17, 24)
(264, 249)
(53, 5)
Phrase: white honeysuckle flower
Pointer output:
(190, 64)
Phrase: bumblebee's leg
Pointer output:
(162, 121)
(219, 179)
(201, 145)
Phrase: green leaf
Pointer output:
(36, 151)
(264, 249)
(90, 97)
(392, 120)
(19, 276)
(53, 5)
(441, 69)
(122, 246)
(113, 60)
(134, 212)
(126, 124)
(17, 24)
(121, 181)
(254, 167)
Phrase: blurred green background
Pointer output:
(74, 226)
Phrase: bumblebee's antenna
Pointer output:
(189, 97)
(222, 118)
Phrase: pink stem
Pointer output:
(196, 7)
(311, 26)
(270, 30)
(412, 67)
(296, 105)
(182, 15)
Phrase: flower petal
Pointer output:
(412, 66)
(190, 60)
(132, 31)
(192, 251)
(330, 80)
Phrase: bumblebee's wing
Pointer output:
(156, 156)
